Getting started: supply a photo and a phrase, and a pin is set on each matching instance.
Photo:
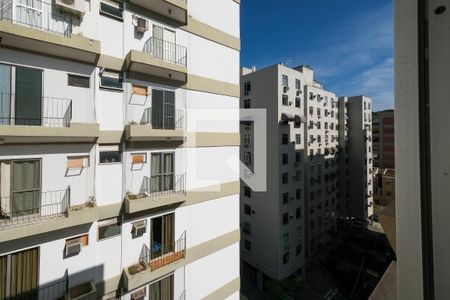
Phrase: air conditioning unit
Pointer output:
(290, 102)
(285, 89)
(299, 92)
(139, 295)
(73, 246)
(140, 24)
(77, 7)
(140, 227)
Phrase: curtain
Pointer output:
(24, 274)
(168, 171)
(3, 271)
(162, 290)
(155, 181)
(25, 187)
(28, 96)
(168, 233)
(5, 94)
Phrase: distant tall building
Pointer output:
(355, 134)
(283, 226)
(383, 139)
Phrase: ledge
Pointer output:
(146, 203)
(76, 47)
(131, 282)
(73, 218)
(144, 63)
(76, 132)
(145, 133)
(172, 9)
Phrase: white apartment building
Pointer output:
(110, 186)
(311, 134)
(356, 159)
(282, 225)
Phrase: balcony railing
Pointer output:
(166, 51)
(36, 14)
(163, 185)
(24, 207)
(163, 255)
(40, 111)
(160, 118)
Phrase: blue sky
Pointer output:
(348, 43)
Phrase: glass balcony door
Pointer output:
(163, 109)
(164, 46)
(162, 235)
(28, 102)
(162, 172)
(25, 187)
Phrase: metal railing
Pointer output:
(46, 112)
(160, 118)
(163, 185)
(38, 15)
(166, 51)
(164, 255)
(24, 207)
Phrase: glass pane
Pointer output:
(169, 110)
(157, 109)
(26, 175)
(108, 231)
(28, 96)
(5, 94)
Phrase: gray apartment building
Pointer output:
(383, 139)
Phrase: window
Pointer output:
(247, 245)
(247, 88)
(298, 213)
(285, 100)
(285, 178)
(140, 90)
(19, 273)
(78, 81)
(285, 218)
(298, 138)
(285, 158)
(138, 158)
(286, 240)
(286, 258)
(109, 157)
(247, 209)
(246, 139)
(285, 81)
(285, 198)
(247, 228)
(311, 110)
(248, 158)
(318, 125)
(162, 289)
(111, 9)
(297, 102)
(298, 194)
(77, 162)
(108, 228)
(284, 138)
(298, 84)
(247, 103)
(318, 111)
(111, 80)
(247, 192)
(311, 196)
(298, 157)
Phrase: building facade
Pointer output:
(383, 186)
(106, 184)
(299, 207)
(383, 139)
(356, 163)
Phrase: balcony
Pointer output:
(40, 212)
(27, 118)
(154, 262)
(173, 9)
(41, 27)
(161, 59)
(157, 191)
(158, 124)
